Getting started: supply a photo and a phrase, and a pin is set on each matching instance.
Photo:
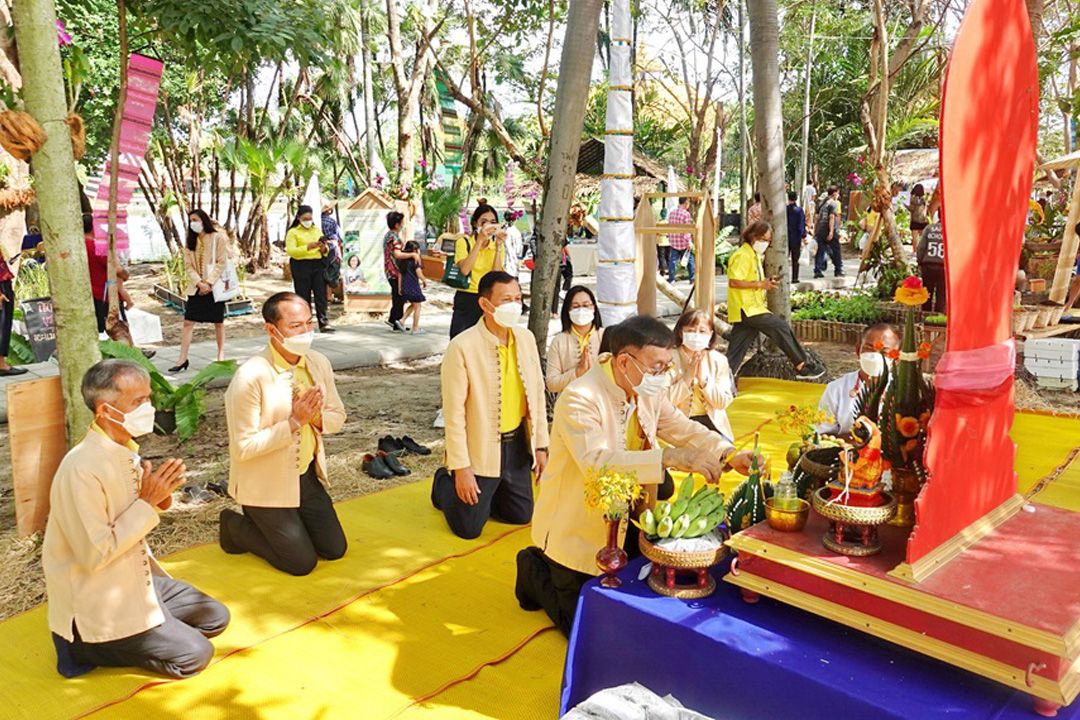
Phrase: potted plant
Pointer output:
(613, 494)
(179, 409)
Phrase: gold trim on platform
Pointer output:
(924, 567)
(1062, 692)
(910, 596)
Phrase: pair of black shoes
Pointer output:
(384, 466)
(402, 446)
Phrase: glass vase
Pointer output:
(611, 558)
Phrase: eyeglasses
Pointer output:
(644, 371)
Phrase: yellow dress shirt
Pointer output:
(745, 265)
(301, 382)
(485, 261)
(297, 239)
(513, 391)
(635, 439)
(582, 340)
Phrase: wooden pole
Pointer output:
(646, 258)
(1059, 289)
(705, 249)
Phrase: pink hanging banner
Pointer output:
(136, 121)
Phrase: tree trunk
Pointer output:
(804, 161)
(769, 134)
(571, 95)
(60, 214)
(743, 139)
(369, 99)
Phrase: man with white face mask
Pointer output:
(110, 603)
(613, 416)
(496, 416)
(279, 406)
(840, 395)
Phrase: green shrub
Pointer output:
(859, 309)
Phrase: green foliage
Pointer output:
(32, 281)
(440, 206)
(860, 308)
(174, 273)
(938, 320)
(186, 401)
(21, 351)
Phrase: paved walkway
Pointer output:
(372, 344)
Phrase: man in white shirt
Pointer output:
(840, 395)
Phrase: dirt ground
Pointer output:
(375, 399)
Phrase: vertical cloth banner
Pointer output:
(616, 276)
(136, 121)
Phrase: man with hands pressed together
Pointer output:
(278, 406)
(496, 416)
(612, 416)
(110, 603)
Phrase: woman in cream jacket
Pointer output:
(574, 351)
(701, 383)
(206, 253)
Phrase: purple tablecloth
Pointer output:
(735, 661)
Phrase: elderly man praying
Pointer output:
(110, 603)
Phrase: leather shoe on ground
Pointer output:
(394, 464)
(376, 468)
(391, 445)
(12, 371)
(330, 329)
(414, 447)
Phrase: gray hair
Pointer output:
(100, 384)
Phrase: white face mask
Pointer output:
(196, 227)
(872, 363)
(650, 385)
(696, 341)
(307, 223)
(508, 314)
(297, 344)
(582, 316)
(760, 247)
(139, 421)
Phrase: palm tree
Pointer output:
(575, 69)
(769, 137)
(61, 223)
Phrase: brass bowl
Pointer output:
(787, 520)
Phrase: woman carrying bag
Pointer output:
(474, 257)
(206, 255)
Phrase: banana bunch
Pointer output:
(689, 514)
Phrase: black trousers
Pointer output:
(309, 276)
(795, 251)
(507, 498)
(178, 648)
(830, 248)
(543, 584)
(775, 328)
(467, 312)
(933, 278)
(101, 310)
(7, 317)
(566, 272)
(397, 304)
(291, 539)
(663, 258)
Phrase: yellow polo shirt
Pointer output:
(513, 390)
(485, 261)
(301, 382)
(634, 437)
(745, 265)
(297, 239)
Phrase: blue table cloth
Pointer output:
(736, 661)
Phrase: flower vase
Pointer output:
(611, 558)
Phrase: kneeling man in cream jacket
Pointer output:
(613, 416)
(278, 406)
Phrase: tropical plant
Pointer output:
(861, 308)
(32, 281)
(184, 402)
(441, 205)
